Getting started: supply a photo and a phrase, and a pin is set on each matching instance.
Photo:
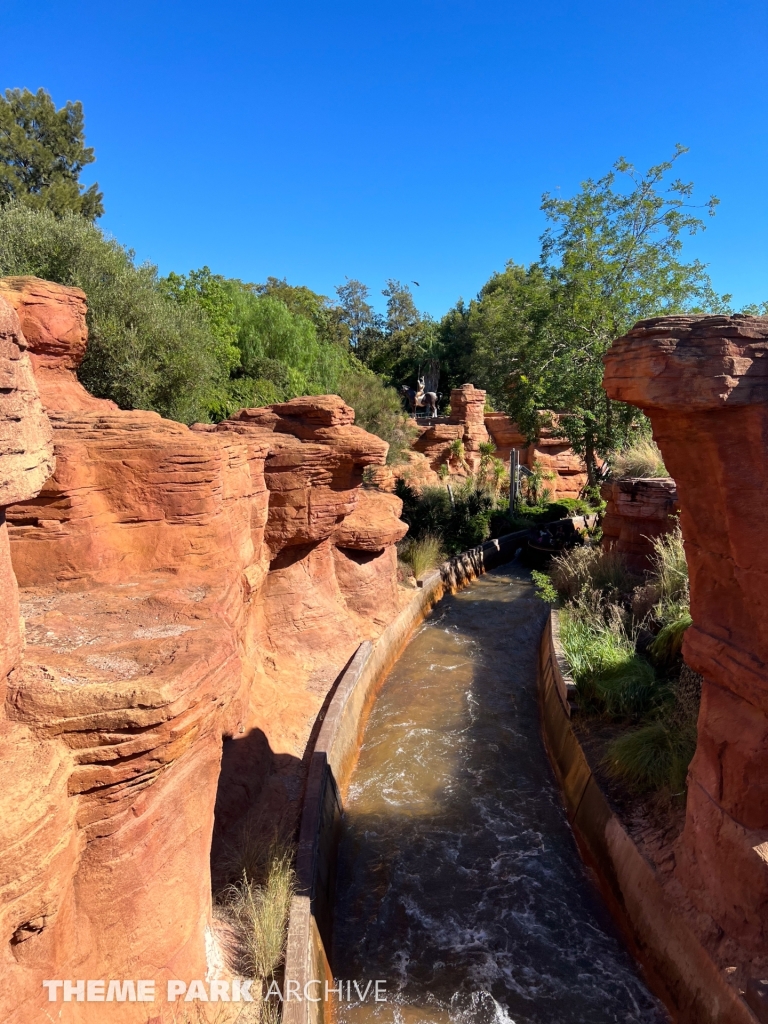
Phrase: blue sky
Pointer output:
(413, 140)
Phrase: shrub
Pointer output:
(544, 588)
(654, 757)
(461, 523)
(609, 675)
(423, 554)
(641, 458)
(378, 409)
(145, 351)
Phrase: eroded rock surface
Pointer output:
(704, 383)
(638, 511)
(189, 596)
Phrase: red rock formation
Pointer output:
(53, 322)
(638, 511)
(466, 423)
(704, 383)
(180, 588)
(564, 472)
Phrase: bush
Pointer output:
(461, 523)
(423, 554)
(654, 757)
(145, 351)
(378, 409)
(641, 458)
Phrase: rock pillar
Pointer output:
(704, 383)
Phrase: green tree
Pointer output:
(364, 324)
(42, 152)
(611, 257)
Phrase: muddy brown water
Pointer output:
(459, 881)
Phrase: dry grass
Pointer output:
(261, 911)
(670, 568)
(591, 568)
(423, 554)
(641, 458)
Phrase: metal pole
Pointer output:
(514, 477)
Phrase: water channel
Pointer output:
(459, 881)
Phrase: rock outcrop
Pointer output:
(704, 383)
(189, 596)
(53, 319)
(564, 471)
(466, 424)
(637, 512)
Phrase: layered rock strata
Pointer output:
(465, 423)
(189, 597)
(637, 512)
(704, 383)
(564, 471)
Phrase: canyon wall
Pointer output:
(704, 383)
(188, 598)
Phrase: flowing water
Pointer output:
(459, 883)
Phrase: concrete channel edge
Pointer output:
(678, 968)
(330, 766)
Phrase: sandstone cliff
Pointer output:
(189, 597)
(704, 383)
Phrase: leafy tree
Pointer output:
(610, 257)
(364, 324)
(144, 351)
(42, 152)
(325, 315)
(209, 292)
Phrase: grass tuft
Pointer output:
(641, 458)
(262, 911)
(653, 757)
(423, 554)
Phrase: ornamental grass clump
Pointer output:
(654, 757)
(423, 554)
(640, 458)
(261, 910)
(591, 568)
(611, 677)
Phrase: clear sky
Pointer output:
(413, 140)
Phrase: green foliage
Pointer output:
(654, 757)
(667, 645)
(144, 351)
(535, 336)
(544, 588)
(422, 554)
(42, 152)
(461, 524)
(609, 675)
(378, 409)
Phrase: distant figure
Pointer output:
(420, 399)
